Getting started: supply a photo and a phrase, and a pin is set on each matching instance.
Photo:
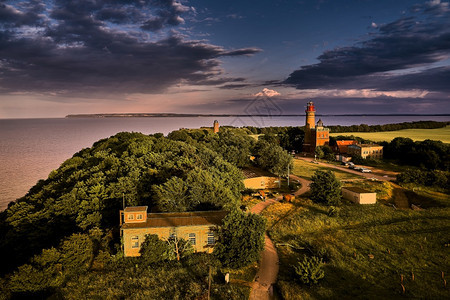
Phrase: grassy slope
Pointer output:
(439, 134)
(401, 241)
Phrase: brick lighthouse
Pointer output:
(314, 135)
(216, 126)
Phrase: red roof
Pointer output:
(343, 145)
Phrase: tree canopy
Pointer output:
(325, 188)
(86, 191)
(240, 239)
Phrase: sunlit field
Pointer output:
(306, 170)
(368, 250)
(439, 134)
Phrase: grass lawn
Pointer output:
(367, 250)
(438, 134)
(306, 170)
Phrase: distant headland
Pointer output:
(172, 115)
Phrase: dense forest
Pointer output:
(67, 225)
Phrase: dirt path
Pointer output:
(268, 266)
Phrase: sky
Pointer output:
(60, 57)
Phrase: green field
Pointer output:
(439, 134)
(306, 170)
(368, 250)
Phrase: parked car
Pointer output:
(364, 170)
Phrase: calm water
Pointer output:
(31, 148)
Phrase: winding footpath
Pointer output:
(269, 266)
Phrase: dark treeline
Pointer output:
(428, 154)
(388, 127)
(432, 178)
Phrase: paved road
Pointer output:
(268, 266)
(377, 175)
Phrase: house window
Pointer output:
(192, 238)
(130, 217)
(135, 241)
(139, 217)
(211, 238)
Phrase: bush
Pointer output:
(310, 270)
(333, 211)
(153, 249)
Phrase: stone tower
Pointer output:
(310, 124)
(216, 126)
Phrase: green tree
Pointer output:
(325, 188)
(153, 249)
(272, 158)
(77, 253)
(240, 239)
(43, 273)
(318, 152)
(172, 195)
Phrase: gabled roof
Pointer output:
(179, 219)
(136, 209)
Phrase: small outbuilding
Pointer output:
(359, 195)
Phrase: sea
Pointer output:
(31, 148)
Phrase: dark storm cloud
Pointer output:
(75, 49)
(416, 41)
(168, 13)
(29, 15)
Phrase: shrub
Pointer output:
(333, 211)
(153, 249)
(310, 270)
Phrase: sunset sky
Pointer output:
(202, 56)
